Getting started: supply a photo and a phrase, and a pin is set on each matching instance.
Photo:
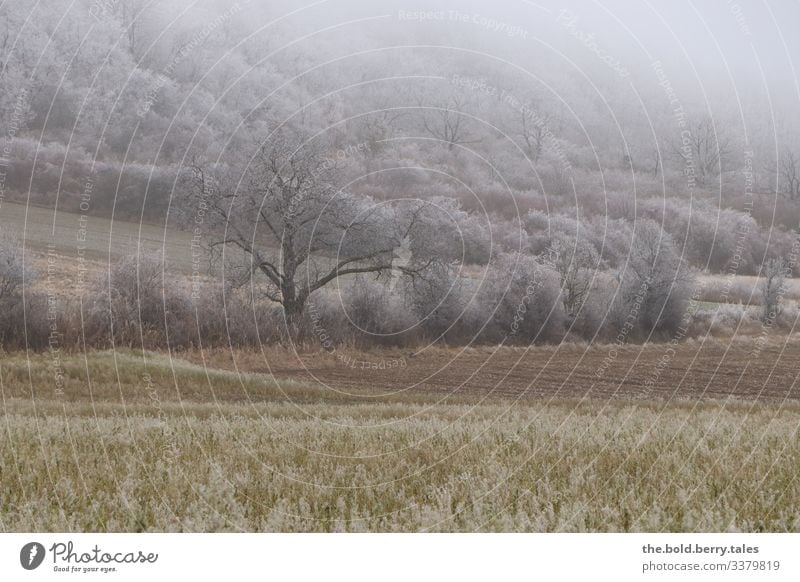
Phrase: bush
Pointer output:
(654, 286)
(138, 304)
(24, 322)
(375, 315)
(12, 271)
(23, 312)
(232, 316)
(440, 301)
(521, 302)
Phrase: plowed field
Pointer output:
(739, 370)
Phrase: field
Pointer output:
(90, 243)
(741, 289)
(128, 441)
(698, 436)
(101, 238)
(738, 369)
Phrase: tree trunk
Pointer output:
(293, 310)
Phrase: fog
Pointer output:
(646, 143)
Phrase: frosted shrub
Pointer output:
(140, 305)
(375, 314)
(522, 302)
(440, 302)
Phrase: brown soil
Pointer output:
(716, 369)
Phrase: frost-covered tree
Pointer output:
(283, 212)
(772, 289)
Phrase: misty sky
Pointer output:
(702, 41)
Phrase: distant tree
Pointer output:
(654, 282)
(654, 161)
(705, 147)
(131, 14)
(575, 260)
(448, 122)
(789, 176)
(772, 288)
(534, 127)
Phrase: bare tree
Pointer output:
(772, 289)
(448, 123)
(655, 282)
(533, 134)
(704, 147)
(382, 121)
(534, 127)
(130, 14)
(575, 260)
(646, 158)
(286, 217)
(789, 175)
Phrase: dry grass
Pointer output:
(46, 230)
(741, 289)
(180, 451)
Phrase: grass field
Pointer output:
(43, 229)
(133, 442)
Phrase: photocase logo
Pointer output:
(32, 555)
(400, 260)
